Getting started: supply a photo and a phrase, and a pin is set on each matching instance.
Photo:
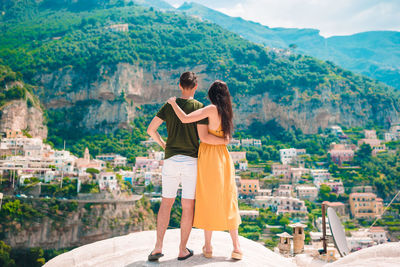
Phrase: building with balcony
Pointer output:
(365, 205)
(237, 156)
(307, 192)
(249, 187)
(281, 205)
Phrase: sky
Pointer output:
(331, 17)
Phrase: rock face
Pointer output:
(90, 222)
(309, 116)
(16, 115)
(112, 95)
(109, 99)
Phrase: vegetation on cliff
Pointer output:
(13, 88)
(54, 39)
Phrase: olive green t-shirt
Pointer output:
(183, 138)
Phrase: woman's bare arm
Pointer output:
(197, 115)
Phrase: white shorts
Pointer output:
(179, 169)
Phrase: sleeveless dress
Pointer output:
(216, 207)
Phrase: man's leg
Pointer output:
(163, 217)
(188, 195)
(186, 224)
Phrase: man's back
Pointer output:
(183, 138)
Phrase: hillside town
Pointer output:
(288, 190)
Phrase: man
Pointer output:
(180, 164)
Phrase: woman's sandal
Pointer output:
(206, 254)
(237, 255)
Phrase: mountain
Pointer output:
(94, 70)
(20, 109)
(375, 54)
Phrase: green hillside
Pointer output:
(375, 54)
(57, 41)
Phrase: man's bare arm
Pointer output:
(208, 138)
(152, 131)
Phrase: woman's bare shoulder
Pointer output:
(212, 107)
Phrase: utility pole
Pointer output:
(62, 167)
(13, 175)
(1, 199)
(324, 239)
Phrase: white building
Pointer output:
(234, 143)
(378, 234)
(318, 222)
(250, 142)
(64, 161)
(284, 190)
(394, 133)
(307, 192)
(337, 130)
(251, 214)
(114, 159)
(320, 176)
(359, 239)
(108, 180)
(237, 156)
(290, 155)
(281, 205)
(243, 165)
(49, 176)
(157, 155)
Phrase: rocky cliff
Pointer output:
(110, 99)
(19, 108)
(16, 115)
(61, 225)
(90, 77)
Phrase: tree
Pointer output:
(252, 156)
(92, 171)
(5, 259)
(364, 154)
(324, 192)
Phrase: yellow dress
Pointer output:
(216, 207)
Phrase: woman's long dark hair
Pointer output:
(219, 95)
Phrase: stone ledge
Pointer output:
(132, 250)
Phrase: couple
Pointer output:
(206, 171)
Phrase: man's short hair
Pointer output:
(188, 80)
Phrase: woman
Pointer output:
(216, 207)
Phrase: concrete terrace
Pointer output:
(132, 250)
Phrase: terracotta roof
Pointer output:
(284, 235)
(293, 225)
(363, 194)
(377, 229)
(333, 204)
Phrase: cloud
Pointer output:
(331, 17)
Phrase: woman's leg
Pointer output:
(235, 240)
(207, 240)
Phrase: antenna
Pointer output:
(338, 234)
